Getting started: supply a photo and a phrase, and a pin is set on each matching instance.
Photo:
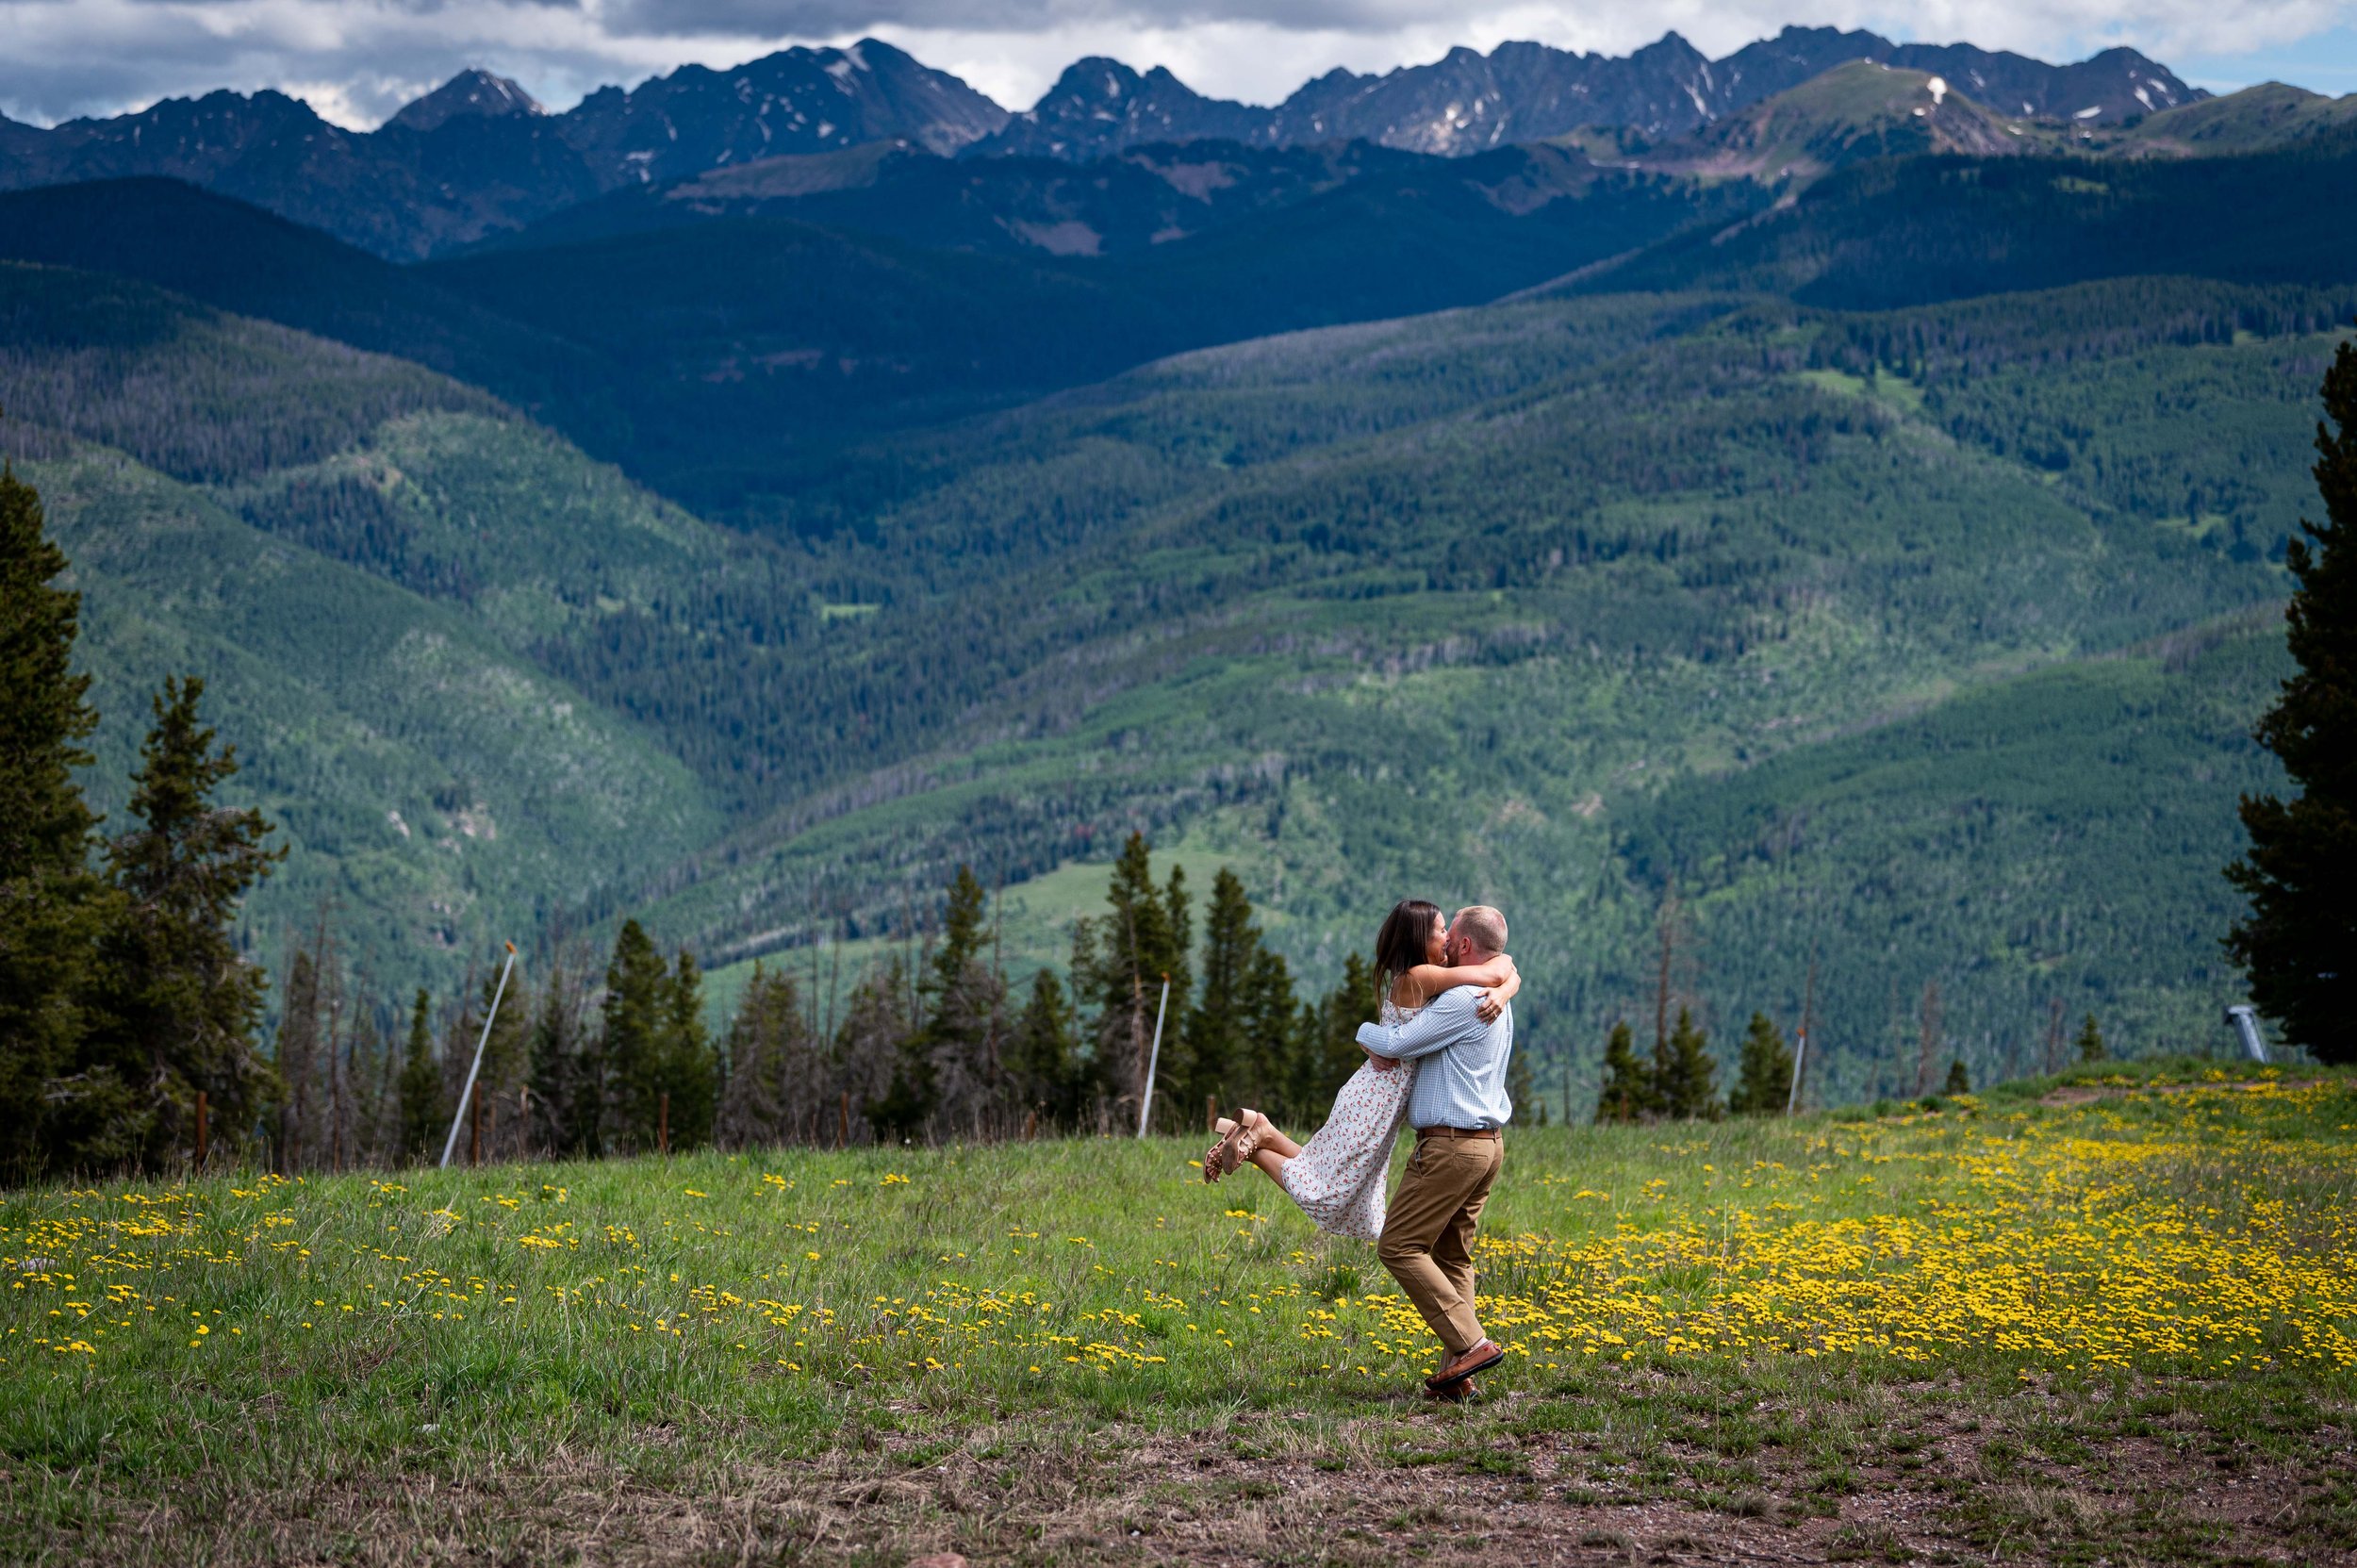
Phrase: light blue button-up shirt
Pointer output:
(1462, 1080)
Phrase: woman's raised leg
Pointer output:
(1270, 1149)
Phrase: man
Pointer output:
(1459, 1108)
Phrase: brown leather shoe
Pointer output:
(1459, 1367)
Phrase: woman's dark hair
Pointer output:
(1404, 942)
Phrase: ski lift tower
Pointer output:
(2246, 1022)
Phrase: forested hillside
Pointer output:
(1809, 580)
(382, 574)
(1444, 606)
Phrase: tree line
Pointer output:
(931, 1043)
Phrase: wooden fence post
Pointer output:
(663, 1124)
(1031, 1125)
(199, 1129)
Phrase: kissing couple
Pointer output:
(1436, 1059)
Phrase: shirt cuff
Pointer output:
(1380, 1038)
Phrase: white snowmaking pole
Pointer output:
(1800, 1060)
(2246, 1021)
(1145, 1100)
(460, 1115)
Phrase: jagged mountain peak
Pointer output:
(473, 92)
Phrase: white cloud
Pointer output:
(356, 60)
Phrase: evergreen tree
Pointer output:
(691, 1067)
(1521, 1089)
(1628, 1093)
(876, 1026)
(423, 1120)
(632, 1042)
(1689, 1088)
(1959, 1079)
(2300, 871)
(50, 905)
(1118, 962)
(569, 1076)
(2090, 1042)
(1764, 1079)
(1221, 1025)
(1041, 1056)
(1278, 1033)
(773, 1087)
(1330, 1052)
(182, 1004)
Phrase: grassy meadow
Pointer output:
(2111, 1317)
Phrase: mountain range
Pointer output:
(1859, 514)
(478, 157)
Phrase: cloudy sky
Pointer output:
(357, 60)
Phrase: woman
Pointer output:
(1338, 1175)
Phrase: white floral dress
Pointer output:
(1338, 1177)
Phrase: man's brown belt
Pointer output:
(1457, 1131)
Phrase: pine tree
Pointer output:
(1628, 1093)
(773, 1087)
(1331, 1052)
(1041, 1056)
(1959, 1079)
(632, 1041)
(2300, 871)
(1118, 964)
(570, 1083)
(1689, 1089)
(51, 907)
(1276, 1037)
(964, 1014)
(1521, 1089)
(181, 1002)
(691, 1068)
(1764, 1079)
(1219, 1026)
(876, 1026)
(2090, 1042)
(423, 1117)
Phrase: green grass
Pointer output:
(1740, 1332)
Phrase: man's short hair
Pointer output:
(1484, 927)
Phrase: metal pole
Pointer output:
(1799, 1059)
(2245, 1020)
(1153, 1060)
(450, 1145)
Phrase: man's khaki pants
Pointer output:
(1428, 1237)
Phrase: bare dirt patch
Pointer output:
(1440, 1487)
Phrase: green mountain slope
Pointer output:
(724, 363)
(390, 654)
(1475, 605)
(439, 789)
(1911, 231)
(2268, 115)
